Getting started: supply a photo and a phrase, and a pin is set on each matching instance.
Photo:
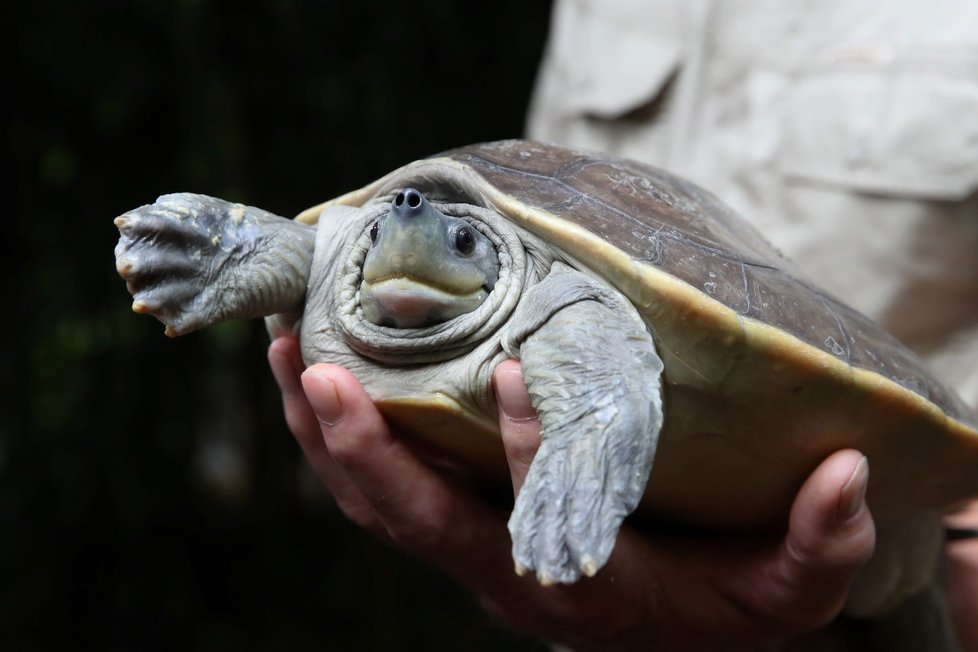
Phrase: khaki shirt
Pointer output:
(846, 130)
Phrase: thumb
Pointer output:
(518, 421)
(830, 537)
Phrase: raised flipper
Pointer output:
(593, 375)
(191, 260)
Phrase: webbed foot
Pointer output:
(191, 260)
(568, 514)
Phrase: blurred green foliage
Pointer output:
(150, 495)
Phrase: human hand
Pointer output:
(963, 578)
(671, 592)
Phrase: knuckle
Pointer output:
(309, 438)
(791, 610)
(359, 513)
(349, 452)
(431, 532)
(520, 447)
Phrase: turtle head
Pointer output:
(424, 267)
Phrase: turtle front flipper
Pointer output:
(191, 260)
(593, 375)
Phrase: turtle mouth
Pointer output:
(408, 301)
(405, 279)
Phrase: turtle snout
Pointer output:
(408, 203)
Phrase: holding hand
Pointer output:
(678, 593)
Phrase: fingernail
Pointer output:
(323, 397)
(513, 398)
(854, 492)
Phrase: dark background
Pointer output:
(150, 494)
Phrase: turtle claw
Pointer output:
(125, 267)
(143, 307)
(159, 222)
(589, 567)
(143, 266)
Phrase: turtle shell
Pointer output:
(765, 374)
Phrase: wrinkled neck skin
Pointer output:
(453, 358)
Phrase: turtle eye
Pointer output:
(465, 240)
(374, 230)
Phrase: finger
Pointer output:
(285, 359)
(518, 421)
(963, 578)
(963, 590)
(965, 518)
(830, 537)
(420, 510)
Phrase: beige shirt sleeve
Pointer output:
(847, 130)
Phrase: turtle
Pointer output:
(682, 369)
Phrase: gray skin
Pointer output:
(424, 267)
(426, 299)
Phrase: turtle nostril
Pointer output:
(408, 203)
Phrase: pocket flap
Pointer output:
(611, 62)
(896, 132)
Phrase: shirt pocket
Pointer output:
(612, 58)
(896, 127)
